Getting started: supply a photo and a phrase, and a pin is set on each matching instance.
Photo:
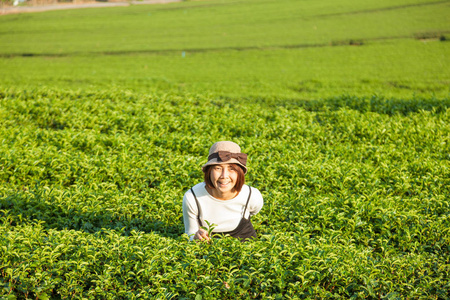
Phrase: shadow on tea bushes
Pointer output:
(54, 211)
(376, 104)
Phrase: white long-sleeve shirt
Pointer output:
(225, 214)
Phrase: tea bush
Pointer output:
(106, 116)
(356, 197)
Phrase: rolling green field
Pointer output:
(106, 116)
(239, 49)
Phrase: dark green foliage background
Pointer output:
(356, 195)
(106, 116)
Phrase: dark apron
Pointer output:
(243, 231)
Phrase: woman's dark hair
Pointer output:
(239, 182)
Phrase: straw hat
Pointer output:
(226, 152)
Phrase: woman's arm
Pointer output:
(190, 213)
(256, 202)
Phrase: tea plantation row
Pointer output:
(356, 197)
(237, 49)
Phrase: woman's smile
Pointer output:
(224, 178)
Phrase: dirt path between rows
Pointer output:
(40, 8)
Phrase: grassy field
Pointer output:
(208, 25)
(106, 116)
(383, 69)
(251, 49)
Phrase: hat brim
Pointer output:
(214, 161)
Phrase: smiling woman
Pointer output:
(223, 199)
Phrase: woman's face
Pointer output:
(223, 178)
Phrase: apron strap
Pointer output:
(199, 209)
(246, 204)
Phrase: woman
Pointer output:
(222, 200)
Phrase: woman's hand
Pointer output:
(202, 234)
